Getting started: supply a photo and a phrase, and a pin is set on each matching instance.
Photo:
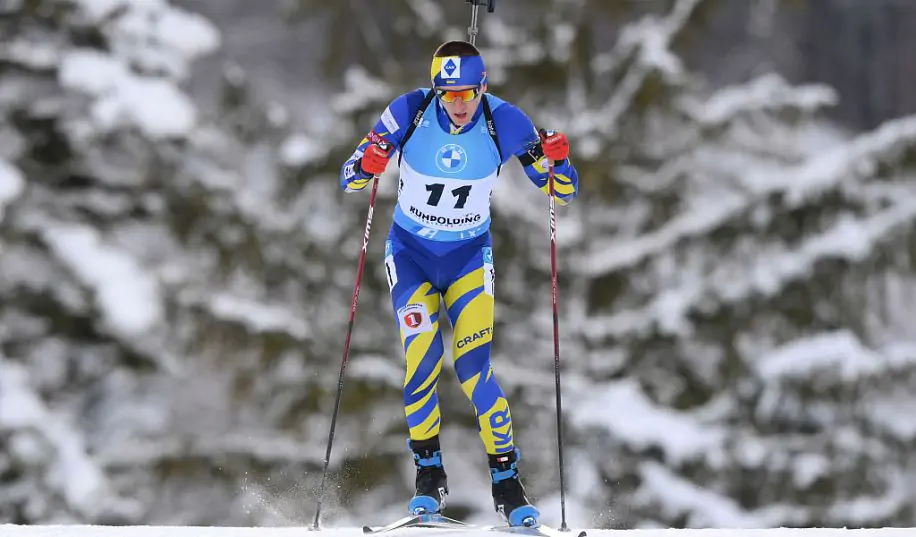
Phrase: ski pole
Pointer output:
(346, 355)
(556, 336)
(475, 4)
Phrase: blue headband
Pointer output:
(458, 71)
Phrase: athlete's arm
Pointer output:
(389, 128)
(518, 137)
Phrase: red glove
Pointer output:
(555, 145)
(374, 160)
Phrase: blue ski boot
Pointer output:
(431, 479)
(508, 493)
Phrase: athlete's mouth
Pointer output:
(461, 115)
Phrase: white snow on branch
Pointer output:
(767, 93)
(264, 446)
(152, 34)
(300, 150)
(884, 506)
(12, 184)
(361, 89)
(128, 295)
(31, 54)
(840, 352)
(257, 316)
(20, 406)
(624, 410)
(676, 496)
(854, 161)
(71, 471)
(429, 14)
(155, 106)
(849, 162)
(618, 255)
(162, 39)
(99, 10)
(849, 239)
(378, 368)
(152, 45)
(650, 42)
(893, 417)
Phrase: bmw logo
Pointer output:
(451, 158)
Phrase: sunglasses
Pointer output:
(450, 96)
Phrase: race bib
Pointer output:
(445, 204)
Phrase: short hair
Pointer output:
(456, 48)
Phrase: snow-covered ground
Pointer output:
(174, 531)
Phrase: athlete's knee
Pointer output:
(474, 363)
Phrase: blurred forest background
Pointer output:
(737, 275)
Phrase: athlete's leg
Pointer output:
(416, 308)
(470, 304)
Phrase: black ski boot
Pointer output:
(431, 479)
(508, 493)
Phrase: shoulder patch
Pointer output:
(389, 121)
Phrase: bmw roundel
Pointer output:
(451, 158)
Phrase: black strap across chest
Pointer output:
(418, 118)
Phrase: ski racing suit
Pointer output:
(439, 245)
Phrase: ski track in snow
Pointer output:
(196, 531)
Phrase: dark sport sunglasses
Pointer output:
(450, 96)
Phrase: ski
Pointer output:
(534, 531)
(441, 522)
(429, 520)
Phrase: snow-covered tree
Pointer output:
(744, 273)
(89, 101)
(112, 303)
(736, 279)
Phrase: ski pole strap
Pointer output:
(534, 154)
(417, 118)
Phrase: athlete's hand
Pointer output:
(375, 159)
(555, 145)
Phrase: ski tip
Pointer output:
(367, 529)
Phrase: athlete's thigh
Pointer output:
(416, 308)
(470, 303)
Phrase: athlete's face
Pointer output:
(459, 110)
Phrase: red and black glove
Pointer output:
(554, 144)
(374, 160)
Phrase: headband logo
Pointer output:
(451, 68)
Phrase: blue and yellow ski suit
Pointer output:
(439, 246)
